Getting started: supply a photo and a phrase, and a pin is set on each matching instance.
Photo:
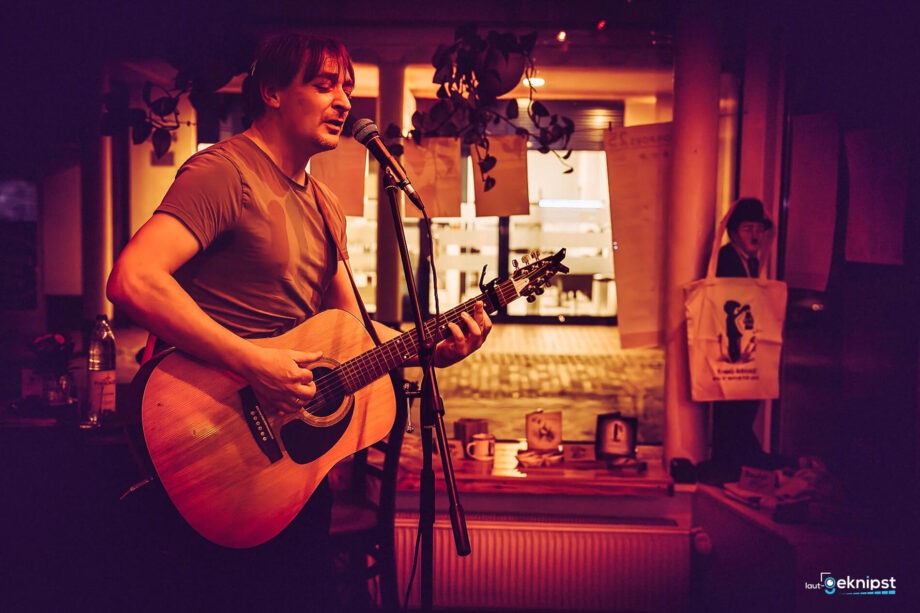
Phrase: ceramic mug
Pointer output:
(482, 447)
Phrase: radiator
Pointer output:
(542, 565)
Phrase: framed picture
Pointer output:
(544, 430)
(615, 436)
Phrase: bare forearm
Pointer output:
(158, 303)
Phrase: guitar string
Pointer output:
(506, 292)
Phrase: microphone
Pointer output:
(365, 132)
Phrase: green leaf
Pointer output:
(527, 43)
(141, 132)
(165, 105)
(441, 57)
(161, 142)
(539, 110)
(443, 74)
(487, 164)
(489, 183)
(511, 111)
(393, 131)
(418, 121)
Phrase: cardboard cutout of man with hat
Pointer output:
(749, 232)
(734, 443)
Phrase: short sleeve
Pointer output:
(207, 196)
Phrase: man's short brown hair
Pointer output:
(281, 58)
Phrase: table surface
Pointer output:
(505, 473)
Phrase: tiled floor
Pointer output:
(577, 369)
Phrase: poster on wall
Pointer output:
(877, 164)
(510, 195)
(638, 177)
(434, 169)
(343, 170)
(812, 211)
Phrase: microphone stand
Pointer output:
(432, 418)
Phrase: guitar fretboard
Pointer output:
(370, 366)
(360, 371)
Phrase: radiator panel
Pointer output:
(534, 565)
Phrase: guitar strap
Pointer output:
(367, 319)
(321, 206)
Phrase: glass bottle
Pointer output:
(100, 380)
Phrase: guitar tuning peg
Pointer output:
(535, 254)
(514, 263)
(539, 291)
(531, 298)
(526, 260)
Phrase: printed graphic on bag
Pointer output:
(739, 326)
(734, 334)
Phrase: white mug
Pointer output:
(482, 447)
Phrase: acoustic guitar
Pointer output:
(239, 472)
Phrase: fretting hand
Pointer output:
(462, 344)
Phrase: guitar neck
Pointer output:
(370, 366)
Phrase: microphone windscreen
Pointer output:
(364, 130)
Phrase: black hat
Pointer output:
(748, 209)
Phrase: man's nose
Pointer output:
(342, 101)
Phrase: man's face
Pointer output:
(314, 112)
(748, 237)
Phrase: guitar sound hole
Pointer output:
(330, 393)
(306, 442)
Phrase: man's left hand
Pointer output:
(462, 344)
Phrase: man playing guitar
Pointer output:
(246, 245)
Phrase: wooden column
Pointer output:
(390, 282)
(690, 222)
(96, 223)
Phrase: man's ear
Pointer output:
(270, 96)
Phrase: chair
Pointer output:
(362, 528)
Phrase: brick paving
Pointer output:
(579, 370)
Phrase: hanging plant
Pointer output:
(201, 70)
(472, 73)
(156, 122)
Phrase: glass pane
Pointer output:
(570, 211)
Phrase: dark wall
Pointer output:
(850, 371)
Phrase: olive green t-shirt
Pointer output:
(269, 246)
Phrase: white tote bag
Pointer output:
(734, 333)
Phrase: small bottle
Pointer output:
(100, 380)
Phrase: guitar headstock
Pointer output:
(530, 279)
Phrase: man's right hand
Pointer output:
(281, 378)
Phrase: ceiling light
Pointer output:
(534, 81)
(561, 36)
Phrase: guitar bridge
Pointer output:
(258, 425)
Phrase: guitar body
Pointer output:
(234, 483)
(238, 472)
